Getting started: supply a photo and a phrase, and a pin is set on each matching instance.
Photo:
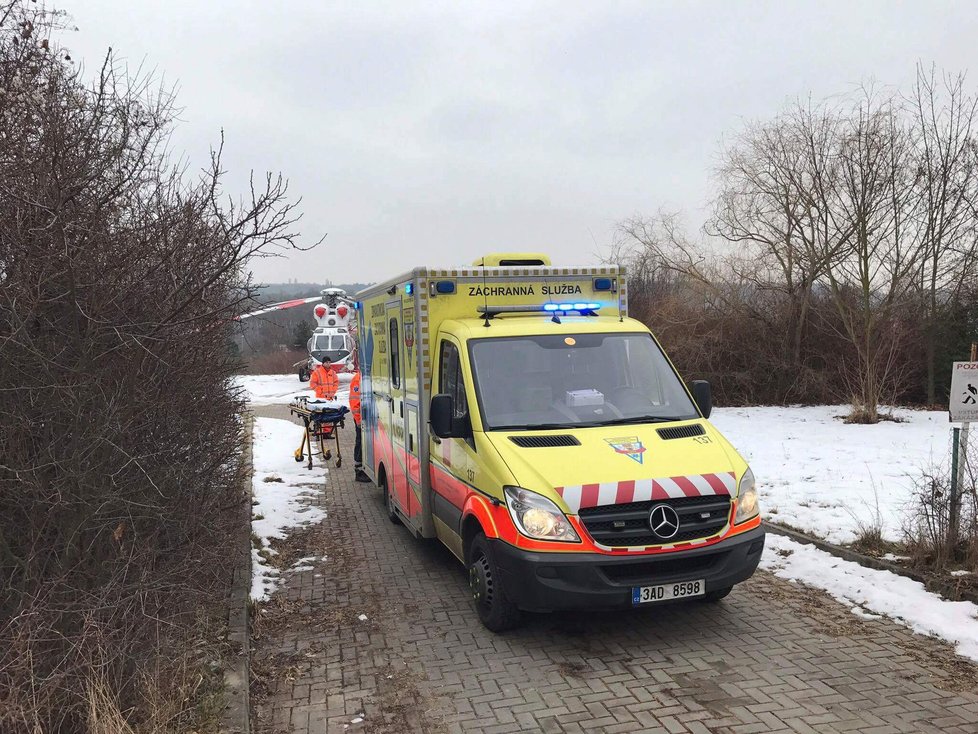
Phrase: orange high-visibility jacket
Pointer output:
(324, 382)
(355, 397)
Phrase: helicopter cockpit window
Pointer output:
(334, 347)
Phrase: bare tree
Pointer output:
(947, 175)
(873, 208)
(775, 183)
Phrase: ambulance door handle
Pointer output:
(402, 408)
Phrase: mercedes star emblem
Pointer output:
(664, 521)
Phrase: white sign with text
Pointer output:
(964, 392)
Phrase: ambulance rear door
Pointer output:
(397, 471)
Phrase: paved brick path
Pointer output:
(771, 658)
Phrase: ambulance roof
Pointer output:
(539, 324)
(513, 272)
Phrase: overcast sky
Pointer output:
(430, 133)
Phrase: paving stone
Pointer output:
(769, 658)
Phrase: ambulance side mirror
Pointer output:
(442, 418)
(703, 395)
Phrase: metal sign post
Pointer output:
(963, 407)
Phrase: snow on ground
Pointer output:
(282, 389)
(283, 497)
(869, 593)
(828, 478)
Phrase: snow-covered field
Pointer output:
(870, 593)
(828, 478)
(283, 496)
(281, 389)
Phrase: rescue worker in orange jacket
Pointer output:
(324, 381)
(359, 473)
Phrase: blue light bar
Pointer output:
(604, 284)
(571, 306)
(445, 287)
(409, 288)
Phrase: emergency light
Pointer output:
(443, 287)
(604, 284)
(584, 309)
(409, 288)
(550, 307)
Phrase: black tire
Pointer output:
(389, 501)
(495, 609)
(304, 375)
(716, 595)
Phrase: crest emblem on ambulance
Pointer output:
(629, 446)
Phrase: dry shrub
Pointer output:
(278, 362)
(930, 534)
(119, 433)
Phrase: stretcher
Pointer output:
(322, 420)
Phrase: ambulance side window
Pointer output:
(395, 355)
(450, 378)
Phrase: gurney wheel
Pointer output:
(339, 463)
(299, 458)
(327, 454)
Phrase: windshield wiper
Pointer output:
(636, 419)
(538, 427)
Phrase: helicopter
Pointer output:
(334, 336)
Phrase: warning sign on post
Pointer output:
(964, 392)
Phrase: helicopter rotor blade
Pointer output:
(280, 306)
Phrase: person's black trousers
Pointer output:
(358, 450)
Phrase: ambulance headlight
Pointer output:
(747, 504)
(537, 517)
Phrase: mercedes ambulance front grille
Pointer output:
(662, 567)
(540, 442)
(628, 524)
(667, 434)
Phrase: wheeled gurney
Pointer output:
(322, 419)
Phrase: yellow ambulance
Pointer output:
(513, 410)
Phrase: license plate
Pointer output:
(664, 592)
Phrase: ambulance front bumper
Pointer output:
(547, 582)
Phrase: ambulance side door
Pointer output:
(453, 465)
(397, 474)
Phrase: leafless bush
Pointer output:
(279, 362)
(119, 277)
(936, 538)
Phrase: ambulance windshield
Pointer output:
(575, 380)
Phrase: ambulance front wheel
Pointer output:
(492, 603)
